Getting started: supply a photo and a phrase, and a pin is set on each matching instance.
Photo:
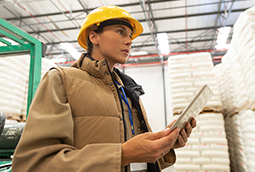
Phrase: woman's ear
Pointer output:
(93, 36)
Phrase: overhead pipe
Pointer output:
(153, 55)
(158, 63)
(228, 14)
(36, 19)
(161, 61)
(153, 31)
(170, 54)
(68, 12)
(186, 21)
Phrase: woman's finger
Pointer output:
(193, 123)
(184, 135)
(188, 129)
(181, 141)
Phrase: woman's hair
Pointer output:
(89, 43)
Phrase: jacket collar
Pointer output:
(99, 69)
(96, 68)
(130, 85)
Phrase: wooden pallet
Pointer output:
(253, 108)
(177, 111)
(16, 117)
(205, 109)
(213, 109)
(230, 114)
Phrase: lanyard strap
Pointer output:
(129, 109)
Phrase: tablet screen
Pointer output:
(194, 108)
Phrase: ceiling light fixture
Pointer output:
(58, 60)
(222, 38)
(139, 53)
(71, 50)
(163, 43)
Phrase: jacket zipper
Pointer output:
(122, 111)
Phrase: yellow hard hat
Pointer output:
(105, 13)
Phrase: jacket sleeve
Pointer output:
(47, 142)
(168, 160)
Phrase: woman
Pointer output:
(89, 117)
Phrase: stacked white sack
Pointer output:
(241, 140)
(45, 66)
(238, 145)
(231, 142)
(239, 64)
(207, 148)
(14, 72)
(222, 88)
(246, 120)
(13, 78)
(188, 73)
(237, 94)
(226, 88)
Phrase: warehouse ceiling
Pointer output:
(191, 25)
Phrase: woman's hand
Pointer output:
(184, 134)
(148, 147)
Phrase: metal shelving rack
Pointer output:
(24, 44)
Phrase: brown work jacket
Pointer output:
(77, 122)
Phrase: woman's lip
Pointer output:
(126, 51)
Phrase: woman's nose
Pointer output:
(128, 41)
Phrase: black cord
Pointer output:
(6, 166)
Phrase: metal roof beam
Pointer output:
(159, 18)
(228, 14)
(145, 45)
(90, 9)
(154, 29)
(143, 34)
(84, 10)
(194, 15)
(24, 22)
(179, 42)
(218, 53)
(65, 14)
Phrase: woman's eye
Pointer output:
(120, 32)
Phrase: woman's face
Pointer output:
(114, 44)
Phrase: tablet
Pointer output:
(194, 108)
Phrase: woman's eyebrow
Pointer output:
(125, 30)
(122, 27)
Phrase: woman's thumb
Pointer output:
(161, 134)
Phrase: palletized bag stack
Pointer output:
(14, 72)
(238, 63)
(234, 84)
(207, 148)
(236, 76)
(46, 65)
(188, 73)
(241, 136)
(229, 102)
(247, 120)
(235, 143)
(13, 78)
